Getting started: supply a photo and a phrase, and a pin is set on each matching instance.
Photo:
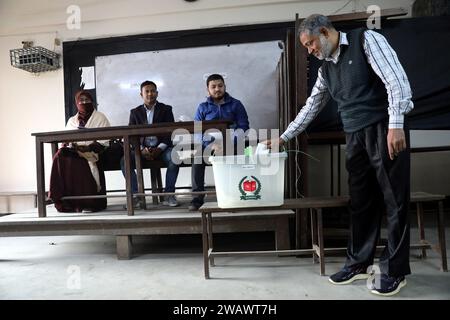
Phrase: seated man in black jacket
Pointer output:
(153, 148)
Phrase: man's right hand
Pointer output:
(273, 143)
(216, 149)
(146, 154)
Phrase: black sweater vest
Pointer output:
(360, 94)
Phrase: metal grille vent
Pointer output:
(34, 59)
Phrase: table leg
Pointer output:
(54, 148)
(140, 177)
(320, 240)
(126, 154)
(313, 233)
(419, 207)
(297, 228)
(441, 235)
(40, 175)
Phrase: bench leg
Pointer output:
(441, 235)
(320, 241)
(313, 216)
(282, 241)
(210, 238)
(301, 219)
(297, 228)
(205, 245)
(421, 228)
(124, 247)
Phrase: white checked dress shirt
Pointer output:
(384, 62)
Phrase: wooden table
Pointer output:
(129, 134)
(315, 204)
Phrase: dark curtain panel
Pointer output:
(423, 46)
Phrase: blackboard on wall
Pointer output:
(250, 72)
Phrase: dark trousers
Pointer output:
(378, 184)
(198, 181)
(171, 172)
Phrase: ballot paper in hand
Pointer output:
(261, 148)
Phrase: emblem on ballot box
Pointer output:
(250, 188)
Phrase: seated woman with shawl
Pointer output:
(75, 171)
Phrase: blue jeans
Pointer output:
(171, 173)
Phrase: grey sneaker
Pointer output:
(170, 201)
(137, 204)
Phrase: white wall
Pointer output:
(30, 103)
(124, 17)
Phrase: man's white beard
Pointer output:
(326, 45)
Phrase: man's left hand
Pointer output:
(145, 153)
(155, 153)
(396, 142)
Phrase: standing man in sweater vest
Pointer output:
(362, 73)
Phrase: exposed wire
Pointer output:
(299, 175)
(54, 41)
(355, 2)
(363, 4)
(298, 151)
(341, 7)
(297, 167)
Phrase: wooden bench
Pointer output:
(155, 222)
(419, 198)
(315, 206)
